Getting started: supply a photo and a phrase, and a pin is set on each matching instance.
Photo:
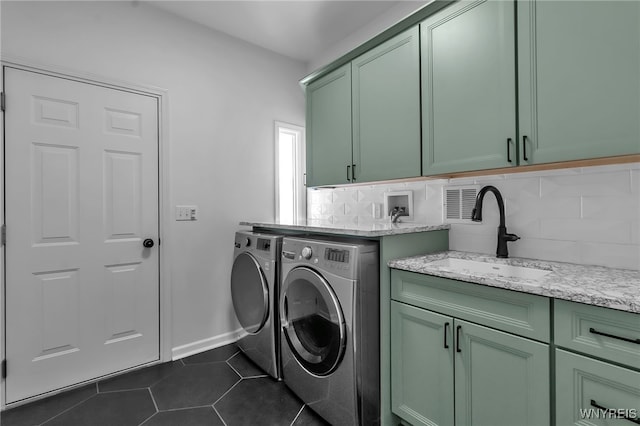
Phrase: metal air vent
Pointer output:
(459, 202)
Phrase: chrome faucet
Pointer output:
(396, 213)
(503, 236)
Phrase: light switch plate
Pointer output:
(186, 212)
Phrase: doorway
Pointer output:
(82, 216)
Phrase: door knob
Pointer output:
(148, 243)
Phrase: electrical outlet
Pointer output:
(186, 212)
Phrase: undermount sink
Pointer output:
(474, 267)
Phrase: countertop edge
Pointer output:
(403, 228)
(564, 282)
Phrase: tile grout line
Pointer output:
(183, 408)
(297, 415)
(70, 408)
(218, 414)
(228, 390)
(236, 371)
(154, 404)
(153, 399)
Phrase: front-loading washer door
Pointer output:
(250, 293)
(312, 321)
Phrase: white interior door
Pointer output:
(82, 293)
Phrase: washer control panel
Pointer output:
(306, 252)
(336, 255)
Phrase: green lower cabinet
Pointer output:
(447, 371)
(501, 379)
(421, 366)
(592, 392)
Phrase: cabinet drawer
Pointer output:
(518, 313)
(593, 392)
(602, 332)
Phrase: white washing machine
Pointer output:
(255, 280)
(329, 314)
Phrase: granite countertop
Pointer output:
(359, 230)
(593, 285)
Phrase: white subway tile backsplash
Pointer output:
(514, 188)
(613, 255)
(601, 231)
(600, 184)
(553, 250)
(617, 208)
(582, 215)
(473, 230)
(635, 182)
(494, 180)
(474, 243)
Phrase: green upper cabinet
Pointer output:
(380, 92)
(468, 87)
(329, 128)
(579, 79)
(386, 110)
(481, 84)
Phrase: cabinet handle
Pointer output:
(524, 148)
(348, 173)
(509, 150)
(353, 172)
(618, 414)
(446, 326)
(458, 328)
(626, 339)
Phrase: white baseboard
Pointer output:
(206, 344)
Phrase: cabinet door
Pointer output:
(579, 90)
(329, 128)
(386, 110)
(501, 379)
(421, 366)
(468, 87)
(590, 392)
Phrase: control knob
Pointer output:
(307, 252)
(247, 242)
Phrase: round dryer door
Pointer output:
(312, 321)
(249, 293)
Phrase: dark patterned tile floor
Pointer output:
(217, 387)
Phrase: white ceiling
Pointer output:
(299, 29)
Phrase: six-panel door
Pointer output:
(82, 292)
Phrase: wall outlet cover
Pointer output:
(394, 199)
(187, 213)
